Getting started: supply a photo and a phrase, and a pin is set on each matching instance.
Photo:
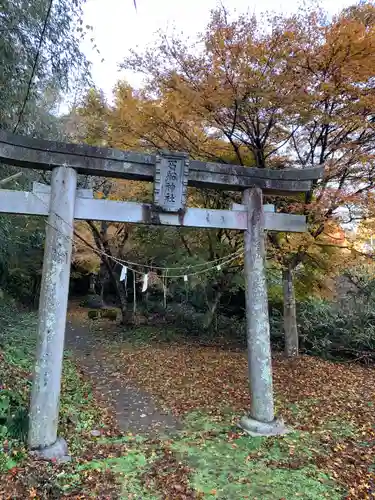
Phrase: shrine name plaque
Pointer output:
(170, 182)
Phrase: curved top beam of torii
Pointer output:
(90, 160)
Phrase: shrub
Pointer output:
(110, 314)
(13, 415)
(332, 332)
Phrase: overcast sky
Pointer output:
(118, 27)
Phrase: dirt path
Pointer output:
(136, 410)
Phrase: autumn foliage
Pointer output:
(274, 91)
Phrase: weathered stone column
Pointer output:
(261, 420)
(44, 409)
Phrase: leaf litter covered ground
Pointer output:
(330, 406)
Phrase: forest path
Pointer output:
(136, 411)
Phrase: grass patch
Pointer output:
(129, 469)
(234, 465)
(263, 483)
(199, 421)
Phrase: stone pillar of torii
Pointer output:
(171, 173)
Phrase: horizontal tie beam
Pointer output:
(86, 208)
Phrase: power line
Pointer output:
(34, 67)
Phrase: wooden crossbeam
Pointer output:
(40, 154)
(86, 208)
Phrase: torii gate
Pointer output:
(171, 173)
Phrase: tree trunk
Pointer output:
(102, 275)
(290, 317)
(221, 286)
(92, 283)
(122, 298)
(102, 243)
(210, 314)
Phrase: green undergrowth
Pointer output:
(223, 463)
(129, 469)
(78, 412)
(229, 464)
(16, 349)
